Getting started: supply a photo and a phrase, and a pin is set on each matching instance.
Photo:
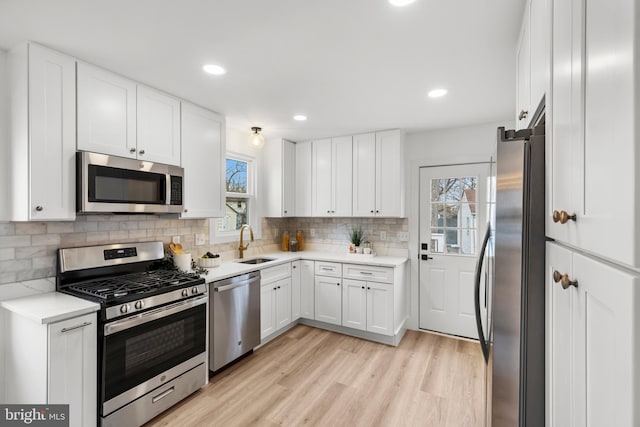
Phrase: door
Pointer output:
(389, 173)
(364, 175)
(283, 303)
(321, 180)
(342, 167)
(303, 179)
(307, 292)
(380, 308)
(454, 209)
(158, 126)
(288, 178)
(328, 302)
(295, 289)
(267, 310)
(354, 304)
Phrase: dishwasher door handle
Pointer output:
(233, 286)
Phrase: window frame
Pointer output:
(251, 196)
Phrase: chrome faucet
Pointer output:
(241, 247)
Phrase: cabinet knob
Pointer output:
(186, 210)
(377, 211)
(141, 152)
(338, 284)
(293, 266)
(523, 114)
(285, 211)
(363, 287)
(328, 211)
(563, 217)
(371, 210)
(564, 280)
(39, 208)
(132, 150)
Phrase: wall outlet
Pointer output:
(312, 232)
(175, 239)
(383, 236)
(403, 236)
(200, 239)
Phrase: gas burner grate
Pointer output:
(135, 283)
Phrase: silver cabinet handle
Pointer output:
(132, 150)
(141, 152)
(39, 208)
(326, 269)
(75, 327)
(367, 273)
(163, 395)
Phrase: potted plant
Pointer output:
(356, 237)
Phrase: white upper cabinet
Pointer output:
(106, 112)
(532, 60)
(42, 134)
(378, 174)
(279, 178)
(332, 178)
(303, 178)
(203, 160)
(592, 149)
(119, 117)
(158, 125)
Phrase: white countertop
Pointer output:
(50, 307)
(232, 268)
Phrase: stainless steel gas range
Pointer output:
(152, 327)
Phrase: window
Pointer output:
(240, 206)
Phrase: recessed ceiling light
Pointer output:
(300, 117)
(401, 2)
(216, 70)
(437, 93)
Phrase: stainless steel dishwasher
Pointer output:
(234, 311)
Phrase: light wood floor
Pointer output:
(309, 376)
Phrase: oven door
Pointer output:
(142, 352)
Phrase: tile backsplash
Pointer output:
(28, 249)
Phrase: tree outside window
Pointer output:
(239, 195)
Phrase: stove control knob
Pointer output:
(124, 308)
(139, 304)
(185, 292)
(194, 290)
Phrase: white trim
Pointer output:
(252, 202)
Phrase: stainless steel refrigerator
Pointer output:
(510, 311)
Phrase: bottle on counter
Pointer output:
(285, 241)
(293, 245)
(300, 239)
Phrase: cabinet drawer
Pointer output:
(368, 273)
(330, 269)
(278, 272)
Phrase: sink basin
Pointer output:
(256, 260)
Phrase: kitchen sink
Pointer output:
(256, 260)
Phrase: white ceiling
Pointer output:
(349, 65)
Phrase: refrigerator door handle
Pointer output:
(481, 337)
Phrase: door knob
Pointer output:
(563, 217)
(425, 257)
(564, 280)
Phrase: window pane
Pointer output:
(235, 214)
(451, 236)
(452, 214)
(468, 241)
(438, 189)
(236, 176)
(437, 240)
(437, 214)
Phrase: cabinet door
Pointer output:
(354, 304)
(303, 179)
(267, 309)
(606, 365)
(307, 289)
(295, 290)
(565, 143)
(364, 175)
(73, 369)
(203, 160)
(283, 303)
(523, 73)
(328, 293)
(380, 308)
(389, 175)
(158, 126)
(539, 42)
(560, 335)
(106, 112)
(342, 179)
(322, 197)
(288, 178)
(52, 123)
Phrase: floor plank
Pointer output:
(313, 377)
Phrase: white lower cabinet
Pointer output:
(592, 359)
(275, 299)
(328, 299)
(354, 304)
(307, 286)
(295, 290)
(367, 306)
(53, 363)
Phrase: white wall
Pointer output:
(4, 136)
(468, 144)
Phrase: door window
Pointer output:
(454, 215)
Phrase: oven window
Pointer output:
(114, 185)
(137, 354)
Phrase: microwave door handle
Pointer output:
(481, 337)
(167, 186)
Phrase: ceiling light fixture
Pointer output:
(401, 2)
(300, 117)
(216, 70)
(256, 140)
(437, 93)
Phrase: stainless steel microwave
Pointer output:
(119, 185)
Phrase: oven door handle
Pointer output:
(149, 316)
